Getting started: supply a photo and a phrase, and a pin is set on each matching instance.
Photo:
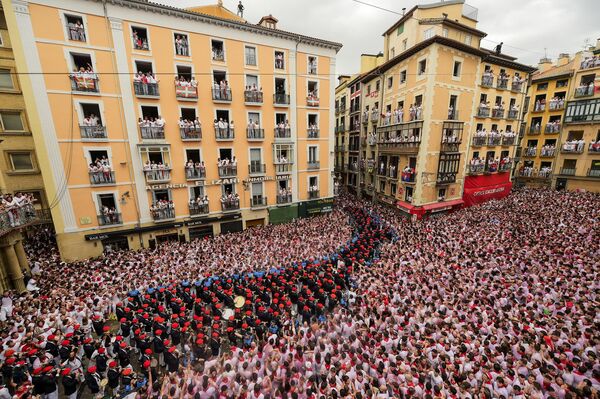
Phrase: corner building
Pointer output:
(274, 79)
(421, 161)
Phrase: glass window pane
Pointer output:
(12, 121)
(6, 79)
(21, 161)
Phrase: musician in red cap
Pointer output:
(159, 347)
(70, 383)
(113, 375)
(92, 381)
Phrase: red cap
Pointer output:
(35, 371)
(11, 360)
(65, 342)
(112, 364)
(101, 350)
(172, 349)
(66, 371)
(123, 344)
(118, 338)
(174, 325)
(148, 351)
(106, 328)
(146, 364)
(126, 371)
(158, 332)
(87, 340)
(167, 342)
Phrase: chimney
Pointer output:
(544, 64)
(268, 21)
(563, 59)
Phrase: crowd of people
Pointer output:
(590, 62)
(532, 171)
(16, 210)
(358, 303)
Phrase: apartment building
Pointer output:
(438, 118)
(153, 123)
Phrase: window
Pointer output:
(218, 50)
(21, 161)
(404, 44)
(312, 154)
(422, 67)
(562, 83)
(428, 34)
(468, 39)
(377, 86)
(75, 28)
(6, 81)
(400, 30)
(368, 90)
(441, 194)
(257, 193)
(182, 44)
(250, 55)
(312, 65)
(139, 37)
(279, 60)
(11, 121)
(542, 86)
(403, 76)
(456, 69)
(392, 52)
(445, 32)
(390, 82)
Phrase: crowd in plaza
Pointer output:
(358, 303)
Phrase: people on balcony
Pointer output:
(138, 42)
(408, 174)
(313, 97)
(230, 201)
(218, 54)
(162, 209)
(484, 107)
(100, 171)
(146, 83)
(90, 125)
(498, 109)
(553, 126)
(556, 103)
(518, 80)
(188, 125)
(223, 128)
(253, 93)
(476, 165)
(195, 169)
(375, 114)
(199, 203)
(392, 171)
(573, 145)
(186, 88)
(594, 146)
(503, 78)
(505, 162)
(590, 62)
(181, 45)
(488, 77)
(313, 130)
(279, 62)
(109, 215)
(221, 90)
(85, 78)
(415, 111)
(548, 150)
(152, 127)
(586, 88)
(16, 210)
(76, 30)
(253, 128)
(514, 109)
(282, 159)
(285, 194)
(156, 170)
(507, 136)
(540, 105)
(226, 166)
(313, 189)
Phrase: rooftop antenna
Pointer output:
(403, 10)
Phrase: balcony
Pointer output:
(257, 168)
(353, 148)
(375, 116)
(584, 91)
(594, 148)
(539, 107)
(544, 174)
(502, 83)
(195, 173)
(557, 105)
(312, 101)
(530, 152)
(498, 113)
(255, 134)
(408, 176)
(102, 178)
(146, 89)
(355, 108)
(534, 129)
(312, 133)
(281, 99)
(284, 199)
(573, 147)
(547, 152)
(452, 115)
(20, 216)
(93, 132)
(253, 97)
(479, 141)
(507, 141)
(567, 171)
(476, 169)
(76, 32)
(593, 173)
(190, 133)
(512, 114)
(517, 86)
(283, 133)
(487, 81)
(157, 175)
(313, 194)
(311, 165)
(84, 82)
(152, 132)
(109, 219)
(160, 214)
(227, 171)
(198, 209)
(446, 178)
(494, 141)
(283, 168)
(340, 129)
(224, 134)
(258, 201)
(483, 112)
(552, 128)
(228, 205)
(340, 148)
(221, 95)
(187, 92)
(401, 146)
(505, 167)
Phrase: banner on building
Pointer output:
(482, 188)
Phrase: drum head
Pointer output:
(239, 301)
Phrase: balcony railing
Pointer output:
(355, 107)
(552, 128)
(567, 171)
(284, 198)
(198, 209)
(534, 129)
(312, 101)
(556, 105)
(572, 148)
(258, 201)
(483, 112)
(502, 83)
(190, 133)
(227, 170)
(99, 178)
(494, 140)
(487, 81)
(84, 82)
(541, 107)
(16, 217)
(195, 173)
(547, 152)
(230, 205)
(508, 141)
(146, 89)
(453, 115)
(584, 91)
(374, 116)
(152, 132)
(76, 33)
(498, 113)
(446, 177)
(313, 164)
(223, 94)
(505, 167)
(253, 97)
(281, 99)
(253, 133)
(163, 214)
(283, 168)
(476, 169)
(594, 147)
(157, 175)
(109, 219)
(257, 168)
(402, 146)
(224, 134)
(312, 133)
(188, 92)
(479, 141)
(593, 173)
(340, 129)
(283, 133)
(530, 152)
(408, 177)
(516, 86)
(530, 172)
(512, 114)
(313, 194)
(93, 132)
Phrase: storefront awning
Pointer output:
(442, 206)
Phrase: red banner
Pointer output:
(479, 189)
